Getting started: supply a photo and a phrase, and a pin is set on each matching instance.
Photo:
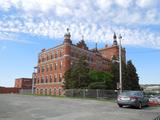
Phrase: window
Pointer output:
(39, 60)
(38, 69)
(56, 55)
(54, 91)
(46, 79)
(42, 79)
(61, 65)
(59, 92)
(45, 91)
(47, 68)
(43, 59)
(55, 66)
(51, 56)
(60, 77)
(37, 91)
(50, 67)
(60, 53)
(50, 91)
(55, 78)
(47, 57)
(37, 80)
(41, 91)
(42, 68)
(50, 78)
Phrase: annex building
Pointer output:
(54, 62)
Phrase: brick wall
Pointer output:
(5, 90)
(23, 83)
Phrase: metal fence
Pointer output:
(25, 91)
(99, 93)
(91, 93)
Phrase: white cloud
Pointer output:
(104, 4)
(146, 3)
(96, 20)
(124, 3)
(14, 37)
(5, 4)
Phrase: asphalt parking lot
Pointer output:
(25, 107)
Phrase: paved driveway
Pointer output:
(24, 107)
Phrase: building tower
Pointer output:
(67, 37)
(112, 51)
(114, 40)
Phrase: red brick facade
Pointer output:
(112, 51)
(23, 83)
(54, 62)
(6, 90)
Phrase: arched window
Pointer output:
(45, 91)
(55, 91)
(59, 91)
(50, 91)
(41, 91)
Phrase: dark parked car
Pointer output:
(132, 98)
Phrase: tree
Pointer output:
(132, 76)
(115, 73)
(129, 76)
(69, 82)
(100, 80)
(77, 75)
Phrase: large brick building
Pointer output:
(23, 83)
(54, 62)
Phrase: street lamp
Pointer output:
(120, 65)
(33, 78)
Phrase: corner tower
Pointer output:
(114, 40)
(67, 49)
(67, 37)
(113, 51)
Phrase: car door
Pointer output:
(144, 99)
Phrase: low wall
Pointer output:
(4, 90)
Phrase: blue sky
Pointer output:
(27, 26)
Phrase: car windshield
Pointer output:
(131, 93)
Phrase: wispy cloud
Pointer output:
(96, 20)
(14, 37)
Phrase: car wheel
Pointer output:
(140, 105)
(120, 105)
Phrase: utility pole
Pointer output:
(120, 65)
(33, 78)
